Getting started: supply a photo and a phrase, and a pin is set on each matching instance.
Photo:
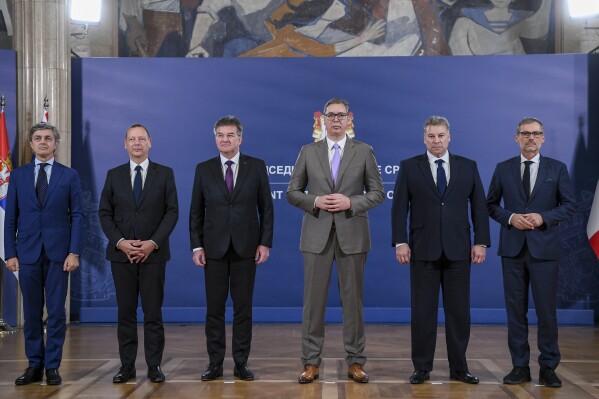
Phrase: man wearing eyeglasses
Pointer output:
(138, 212)
(537, 196)
(442, 194)
(43, 237)
(343, 182)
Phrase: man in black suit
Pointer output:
(435, 189)
(231, 228)
(138, 212)
(537, 196)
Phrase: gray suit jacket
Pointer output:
(358, 178)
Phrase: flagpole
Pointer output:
(5, 328)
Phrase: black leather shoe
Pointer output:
(125, 374)
(53, 377)
(463, 376)
(212, 373)
(155, 374)
(242, 372)
(548, 378)
(518, 375)
(31, 374)
(419, 376)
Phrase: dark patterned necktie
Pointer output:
(41, 186)
(526, 179)
(229, 176)
(441, 178)
(137, 185)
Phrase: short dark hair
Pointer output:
(228, 121)
(526, 121)
(44, 126)
(336, 101)
(435, 120)
(137, 125)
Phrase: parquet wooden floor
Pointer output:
(91, 359)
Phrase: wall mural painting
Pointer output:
(329, 28)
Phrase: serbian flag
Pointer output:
(45, 115)
(593, 224)
(5, 168)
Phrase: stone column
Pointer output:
(41, 39)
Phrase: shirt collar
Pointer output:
(432, 158)
(144, 164)
(235, 159)
(49, 162)
(331, 143)
(535, 159)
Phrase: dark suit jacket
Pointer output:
(552, 197)
(246, 217)
(57, 225)
(154, 219)
(439, 225)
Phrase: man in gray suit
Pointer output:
(343, 183)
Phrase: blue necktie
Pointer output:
(41, 186)
(526, 179)
(441, 178)
(137, 185)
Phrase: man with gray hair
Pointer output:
(231, 222)
(537, 196)
(43, 237)
(435, 190)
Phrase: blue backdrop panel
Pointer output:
(180, 99)
(8, 89)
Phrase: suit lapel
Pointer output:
(124, 180)
(151, 176)
(242, 173)
(216, 168)
(30, 181)
(322, 152)
(348, 154)
(517, 177)
(425, 168)
(541, 174)
(55, 177)
(454, 167)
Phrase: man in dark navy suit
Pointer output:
(43, 233)
(138, 212)
(231, 224)
(537, 195)
(437, 189)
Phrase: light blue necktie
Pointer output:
(335, 162)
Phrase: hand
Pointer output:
(70, 263)
(373, 30)
(262, 254)
(12, 264)
(520, 222)
(132, 249)
(403, 253)
(144, 249)
(478, 254)
(333, 202)
(199, 258)
(535, 219)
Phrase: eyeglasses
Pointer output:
(39, 139)
(526, 135)
(342, 116)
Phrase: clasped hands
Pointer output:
(526, 221)
(333, 202)
(137, 250)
